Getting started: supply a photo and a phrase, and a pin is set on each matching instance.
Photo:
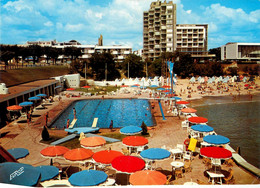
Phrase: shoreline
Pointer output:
(160, 135)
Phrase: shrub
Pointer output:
(144, 128)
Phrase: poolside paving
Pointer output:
(167, 133)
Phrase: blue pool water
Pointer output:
(123, 112)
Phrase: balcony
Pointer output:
(157, 33)
(126, 52)
(115, 52)
(157, 46)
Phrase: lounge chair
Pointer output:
(230, 178)
(187, 166)
(168, 182)
(56, 183)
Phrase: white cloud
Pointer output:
(188, 11)
(48, 24)
(74, 28)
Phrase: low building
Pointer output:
(241, 51)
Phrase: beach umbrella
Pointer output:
(197, 120)
(165, 86)
(131, 130)
(160, 89)
(78, 154)
(202, 128)
(70, 89)
(18, 174)
(182, 102)
(216, 139)
(155, 154)
(57, 87)
(188, 110)
(34, 98)
(134, 86)
(124, 86)
(137, 85)
(47, 172)
(106, 156)
(26, 103)
(147, 177)
(18, 153)
(135, 141)
(92, 142)
(86, 86)
(88, 178)
(143, 87)
(177, 98)
(215, 152)
(153, 86)
(54, 151)
(14, 108)
(41, 95)
(128, 164)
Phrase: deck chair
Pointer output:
(125, 151)
(94, 124)
(192, 144)
(168, 182)
(229, 162)
(187, 166)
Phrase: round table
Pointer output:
(175, 152)
(177, 164)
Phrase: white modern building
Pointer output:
(241, 51)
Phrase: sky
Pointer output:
(121, 21)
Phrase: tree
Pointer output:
(47, 53)
(217, 52)
(72, 52)
(100, 62)
(36, 52)
(136, 66)
(155, 68)
(185, 66)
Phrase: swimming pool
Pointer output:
(123, 112)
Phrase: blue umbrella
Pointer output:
(155, 154)
(18, 153)
(18, 174)
(201, 128)
(88, 178)
(41, 95)
(153, 86)
(57, 87)
(130, 130)
(216, 139)
(26, 103)
(143, 87)
(134, 86)
(177, 98)
(160, 89)
(47, 172)
(34, 98)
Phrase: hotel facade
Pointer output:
(162, 34)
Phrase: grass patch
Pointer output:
(100, 90)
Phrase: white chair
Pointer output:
(185, 124)
(180, 146)
(187, 155)
(175, 112)
(139, 149)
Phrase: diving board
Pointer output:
(78, 130)
(65, 139)
(72, 123)
(94, 124)
(106, 138)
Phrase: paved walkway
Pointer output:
(167, 132)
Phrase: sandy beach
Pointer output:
(166, 133)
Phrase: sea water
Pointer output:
(237, 118)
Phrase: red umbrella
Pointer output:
(148, 177)
(54, 151)
(165, 86)
(78, 154)
(14, 108)
(182, 102)
(188, 110)
(135, 141)
(91, 142)
(171, 95)
(197, 120)
(124, 86)
(215, 152)
(137, 85)
(86, 86)
(106, 156)
(128, 164)
(70, 89)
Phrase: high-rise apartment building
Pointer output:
(159, 29)
(162, 34)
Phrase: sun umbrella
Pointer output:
(41, 95)
(177, 98)
(160, 89)
(135, 141)
(88, 178)
(92, 142)
(134, 86)
(124, 86)
(128, 164)
(14, 108)
(165, 86)
(106, 156)
(18, 153)
(197, 120)
(215, 152)
(18, 174)
(155, 154)
(148, 177)
(57, 87)
(153, 86)
(86, 86)
(47, 172)
(216, 139)
(182, 102)
(54, 151)
(188, 110)
(201, 128)
(34, 98)
(130, 130)
(26, 103)
(70, 89)
(78, 154)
